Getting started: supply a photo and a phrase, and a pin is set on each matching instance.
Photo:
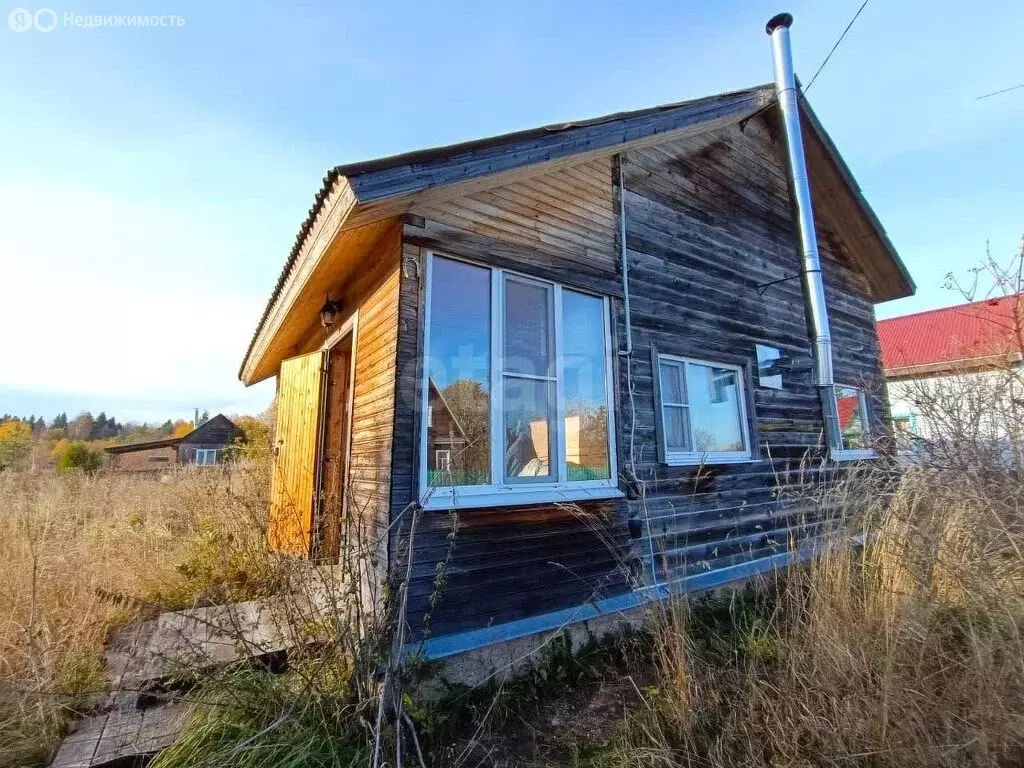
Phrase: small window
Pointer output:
(159, 459)
(703, 412)
(443, 460)
(904, 427)
(206, 456)
(854, 432)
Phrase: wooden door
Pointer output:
(334, 451)
(294, 481)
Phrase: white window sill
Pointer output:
(514, 496)
(709, 459)
(863, 454)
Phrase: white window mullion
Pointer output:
(425, 378)
(610, 345)
(685, 389)
(558, 428)
(497, 377)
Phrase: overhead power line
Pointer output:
(996, 93)
(823, 63)
(802, 89)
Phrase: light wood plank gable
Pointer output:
(383, 190)
(566, 214)
(444, 166)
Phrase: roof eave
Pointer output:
(407, 174)
(415, 172)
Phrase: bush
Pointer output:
(15, 442)
(80, 456)
(257, 436)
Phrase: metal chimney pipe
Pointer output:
(800, 190)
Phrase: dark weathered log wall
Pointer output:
(707, 221)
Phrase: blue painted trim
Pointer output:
(450, 645)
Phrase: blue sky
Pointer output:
(152, 180)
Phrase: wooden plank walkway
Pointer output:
(145, 658)
(117, 736)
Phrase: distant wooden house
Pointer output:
(206, 445)
(589, 344)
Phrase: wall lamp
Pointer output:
(329, 312)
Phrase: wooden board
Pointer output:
(708, 220)
(333, 455)
(122, 738)
(566, 214)
(293, 485)
(369, 481)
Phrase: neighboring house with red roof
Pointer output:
(960, 345)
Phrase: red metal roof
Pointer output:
(961, 333)
(847, 408)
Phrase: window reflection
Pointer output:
(546, 395)
(714, 408)
(528, 397)
(584, 387)
(458, 397)
(849, 404)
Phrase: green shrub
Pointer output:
(80, 456)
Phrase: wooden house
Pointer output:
(205, 445)
(579, 357)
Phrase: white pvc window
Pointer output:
(702, 411)
(517, 390)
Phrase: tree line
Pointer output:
(77, 442)
(87, 427)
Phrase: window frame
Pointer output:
(205, 452)
(517, 492)
(691, 458)
(913, 437)
(841, 452)
(447, 454)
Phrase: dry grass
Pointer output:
(907, 652)
(82, 554)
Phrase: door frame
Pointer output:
(348, 330)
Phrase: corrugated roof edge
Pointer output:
(425, 155)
